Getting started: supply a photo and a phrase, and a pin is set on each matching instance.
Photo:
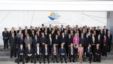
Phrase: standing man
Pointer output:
(5, 35)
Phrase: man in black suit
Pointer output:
(62, 52)
(37, 53)
(12, 41)
(49, 43)
(62, 38)
(55, 53)
(72, 53)
(21, 54)
(97, 54)
(5, 35)
(89, 53)
(43, 39)
(29, 53)
(109, 36)
(45, 53)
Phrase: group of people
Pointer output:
(58, 44)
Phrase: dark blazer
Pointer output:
(27, 51)
(110, 39)
(69, 40)
(49, 30)
(48, 41)
(35, 50)
(44, 51)
(62, 51)
(62, 39)
(38, 39)
(21, 52)
(89, 51)
(5, 35)
(74, 51)
(56, 41)
(43, 40)
(12, 42)
(89, 39)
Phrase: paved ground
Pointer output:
(105, 62)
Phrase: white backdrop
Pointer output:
(36, 18)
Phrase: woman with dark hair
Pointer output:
(80, 53)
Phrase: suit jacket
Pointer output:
(43, 40)
(12, 42)
(21, 52)
(27, 51)
(35, 51)
(56, 41)
(74, 51)
(97, 52)
(69, 40)
(44, 51)
(49, 42)
(5, 35)
(38, 39)
(110, 39)
(62, 51)
(62, 39)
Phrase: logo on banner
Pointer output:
(53, 16)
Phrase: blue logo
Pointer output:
(53, 16)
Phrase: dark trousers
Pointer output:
(109, 47)
(21, 59)
(37, 58)
(55, 58)
(12, 52)
(72, 58)
(104, 50)
(46, 57)
(63, 58)
(5, 44)
(90, 57)
(29, 58)
(97, 58)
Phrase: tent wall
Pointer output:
(36, 18)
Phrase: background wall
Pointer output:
(110, 20)
(36, 18)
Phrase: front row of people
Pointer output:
(42, 54)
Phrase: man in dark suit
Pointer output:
(62, 52)
(97, 54)
(49, 42)
(5, 35)
(62, 39)
(43, 39)
(89, 53)
(37, 53)
(45, 52)
(29, 53)
(72, 53)
(42, 28)
(49, 29)
(12, 41)
(109, 36)
(55, 53)
(21, 54)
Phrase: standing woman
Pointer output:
(76, 39)
(80, 53)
